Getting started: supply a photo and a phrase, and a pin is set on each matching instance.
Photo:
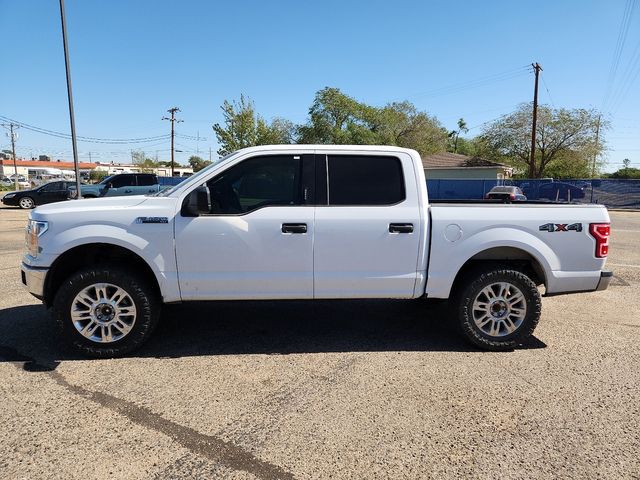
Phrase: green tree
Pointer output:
(243, 127)
(563, 136)
(198, 163)
(96, 176)
(336, 118)
(626, 172)
(455, 134)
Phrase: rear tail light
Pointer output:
(512, 196)
(601, 232)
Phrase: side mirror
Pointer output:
(197, 203)
(108, 185)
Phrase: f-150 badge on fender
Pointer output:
(560, 227)
(152, 220)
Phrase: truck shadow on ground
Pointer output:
(256, 327)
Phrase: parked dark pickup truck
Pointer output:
(123, 184)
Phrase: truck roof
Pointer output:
(322, 147)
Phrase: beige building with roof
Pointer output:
(454, 165)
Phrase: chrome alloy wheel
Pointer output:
(499, 309)
(103, 312)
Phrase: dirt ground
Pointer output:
(349, 389)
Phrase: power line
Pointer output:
(628, 79)
(548, 92)
(617, 52)
(67, 136)
(478, 82)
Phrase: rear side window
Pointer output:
(52, 187)
(365, 180)
(146, 180)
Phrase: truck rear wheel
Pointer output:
(105, 312)
(498, 308)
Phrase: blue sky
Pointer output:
(132, 60)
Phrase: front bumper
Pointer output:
(11, 202)
(605, 279)
(33, 278)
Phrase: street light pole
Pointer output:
(70, 97)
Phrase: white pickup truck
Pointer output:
(307, 222)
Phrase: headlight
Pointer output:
(10, 195)
(35, 228)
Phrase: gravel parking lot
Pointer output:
(349, 389)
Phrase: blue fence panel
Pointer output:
(610, 192)
(171, 181)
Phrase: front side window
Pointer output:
(256, 183)
(365, 180)
(123, 181)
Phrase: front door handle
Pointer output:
(128, 191)
(294, 228)
(401, 228)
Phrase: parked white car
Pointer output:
(307, 222)
(10, 182)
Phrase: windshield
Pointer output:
(106, 180)
(170, 190)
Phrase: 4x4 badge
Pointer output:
(560, 227)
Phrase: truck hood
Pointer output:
(93, 204)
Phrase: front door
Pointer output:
(257, 240)
(122, 185)
(367, 236)
(52, 192)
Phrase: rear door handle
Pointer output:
(128, 191)
(294, 228)
(400, 227)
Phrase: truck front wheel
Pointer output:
(105, 312)
(498, 308)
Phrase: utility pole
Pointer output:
(595, 154)
(532, 165)
(70, 98)
(209, 154)
(13, 136)
(173, 119)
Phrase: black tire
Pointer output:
(143, 296)
(471, 289)
(26, 203)
(89, 196)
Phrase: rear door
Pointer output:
(147, 183)
(367, 233)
